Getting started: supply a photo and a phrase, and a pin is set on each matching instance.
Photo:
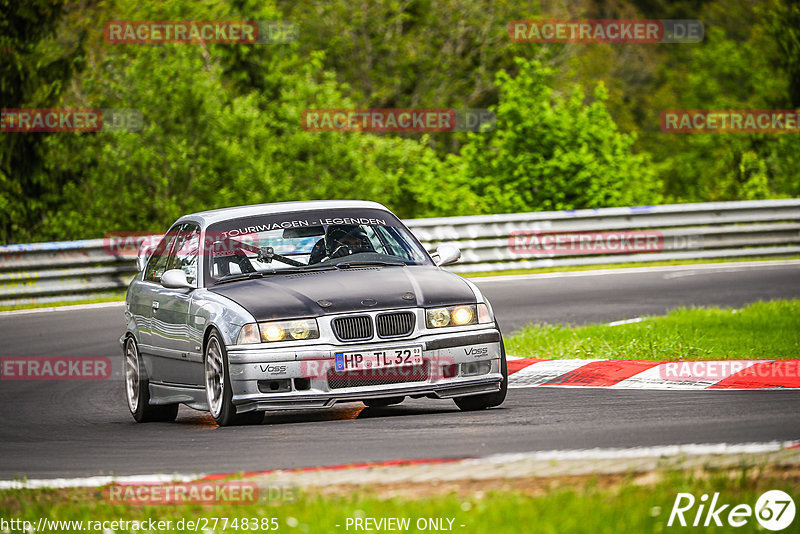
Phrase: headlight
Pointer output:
(438, 317)
(463, 315)
(451, 316)
(303, 329)
(272, 332)
(278, 331)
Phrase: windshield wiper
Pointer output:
(239, 276)
(349, 264)
(295, 270)
(261, 274)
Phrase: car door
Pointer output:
(144, 294)
(186, 257)
(170, 331)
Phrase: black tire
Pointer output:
(380, 403)
(137, 389)
(487, 400)
(223, 411)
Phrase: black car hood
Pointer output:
(356, 289)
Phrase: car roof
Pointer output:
(206, 218)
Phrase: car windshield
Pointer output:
(263, 245)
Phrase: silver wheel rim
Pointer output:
(215, 377)
(132, 375)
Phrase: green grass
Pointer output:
(665, 263)
(111, 297)
(768, 330)
(614, 504)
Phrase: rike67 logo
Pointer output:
(774, 510)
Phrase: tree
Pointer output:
(33, 73)
(415, 53)
(222, 127)
(733, 68)
(783, 25)
(552, 153)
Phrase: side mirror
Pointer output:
(448, 254)
(175, 279)
(143, 256)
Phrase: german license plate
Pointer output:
(378, 359)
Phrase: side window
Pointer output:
(187, 247)
(157, 263)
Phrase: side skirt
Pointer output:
(193, 397)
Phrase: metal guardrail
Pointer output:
(42, 272)
(688, 231)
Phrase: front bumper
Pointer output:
(305, 377)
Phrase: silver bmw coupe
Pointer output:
(302, 305)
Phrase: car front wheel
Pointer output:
(219, 393)
(137, 389)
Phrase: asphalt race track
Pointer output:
(70, 428)
(591, 297)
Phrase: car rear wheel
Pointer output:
(219, 392)
(137, 389)
(487, 400)
(378, 403)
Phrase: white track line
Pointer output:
(74, 307)
(637, 270)
(95, 482)
(626, 321)
(640, 452)
(435, 471)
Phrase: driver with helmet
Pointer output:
(341, 240)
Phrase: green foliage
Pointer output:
(211, 140)
(414, 53)
(32, 74)
(783, 25)
(734, 68)
(578, 124)
(543, 496)
(426, 53)
(550, 152)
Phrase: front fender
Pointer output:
(211, 310)
(131, 328)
